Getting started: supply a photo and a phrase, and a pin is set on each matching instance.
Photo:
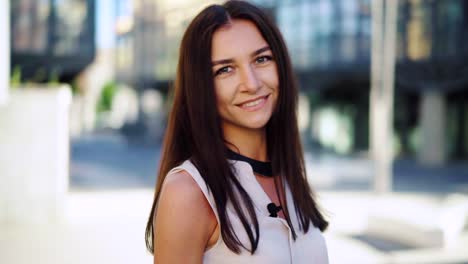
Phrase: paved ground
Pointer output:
(111, 194)
(108, 227)
(107, 161)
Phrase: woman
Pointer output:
(232, 186)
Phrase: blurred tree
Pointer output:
(107, 94)
(15, 79)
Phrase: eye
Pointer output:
(263, 59)
(223, 70)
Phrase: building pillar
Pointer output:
(433, 128)
(34, 144)
(465, 130)
(34, 155)
(384, 18)
(4, 50)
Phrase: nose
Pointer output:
(249, 80)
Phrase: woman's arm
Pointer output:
(184, 221)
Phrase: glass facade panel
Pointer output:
(29, 25)
(430, 29)
(323, 33)
(70, 25)
(50, 37)
(448, 27)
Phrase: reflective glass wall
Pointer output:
(329, 42)
(52, 37)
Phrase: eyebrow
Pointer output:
(227, 61)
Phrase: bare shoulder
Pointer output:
(184, 220)
(181, 182)
(180, 194)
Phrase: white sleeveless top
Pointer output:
(276, 244)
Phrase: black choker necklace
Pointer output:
(259, 167)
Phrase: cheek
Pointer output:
(225, 91)
(269, 76)
(275, 78)
(272, 81)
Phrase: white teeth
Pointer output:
(254, 103)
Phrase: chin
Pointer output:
(249, 122)
(257, 124)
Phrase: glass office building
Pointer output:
(52, 37)
(329, 42)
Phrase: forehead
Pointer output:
(238, 38)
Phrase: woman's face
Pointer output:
(245, 76)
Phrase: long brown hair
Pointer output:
(194, 129)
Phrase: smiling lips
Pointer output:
(255, 104)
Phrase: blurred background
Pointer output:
(383, 112)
